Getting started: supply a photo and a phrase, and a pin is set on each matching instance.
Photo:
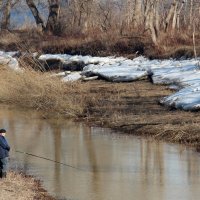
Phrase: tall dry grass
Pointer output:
(40, 91)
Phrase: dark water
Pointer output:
(107, 166)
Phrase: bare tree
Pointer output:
(6, 15)
(38, 19)
(152, 22)
(147, 9)
(157, 15)
(174, 19)
(169, 15)
(178, 15)
(122, 16)
(138, 13)
(54, 11)
(191, 13)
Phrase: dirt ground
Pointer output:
(20, 187)
(134, 108)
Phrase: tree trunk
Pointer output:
(191, 13)
(52, 22)
(174, 21)
(154, 33)
(36, 14)
(6, 16)
(170, 13)
(157, 16)
(88, 13)
(146, 13)
(128, 13)
(138, 13)
(194, 41)
(178, 15)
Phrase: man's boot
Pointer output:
(1, 174)
(4, 175)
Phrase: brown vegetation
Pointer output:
(40, 91)
(133, 108)
(154, 28)
(171, 46)
(21, 187)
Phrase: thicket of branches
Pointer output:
(121, 17)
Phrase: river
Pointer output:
(99, 164)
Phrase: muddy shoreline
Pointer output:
(134, 109)
(20, 186)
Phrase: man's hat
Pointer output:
(2, 130)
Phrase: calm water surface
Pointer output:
(107, 166)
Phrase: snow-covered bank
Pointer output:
(184, 75)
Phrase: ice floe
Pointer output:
(75, 76)
(115, 72)
(78, 58)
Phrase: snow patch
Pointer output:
(6, 59)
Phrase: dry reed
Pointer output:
(40, 91)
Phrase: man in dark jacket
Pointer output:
(4, 153)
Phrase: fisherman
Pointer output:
(4, 153)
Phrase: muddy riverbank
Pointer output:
(18, 186)
(133, 108)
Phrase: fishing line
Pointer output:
(30, 154)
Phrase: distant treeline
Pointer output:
(119, 17)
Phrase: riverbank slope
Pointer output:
(20, 187)
(134, 108)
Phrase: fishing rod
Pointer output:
(64, 164)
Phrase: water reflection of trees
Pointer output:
(152, 161)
